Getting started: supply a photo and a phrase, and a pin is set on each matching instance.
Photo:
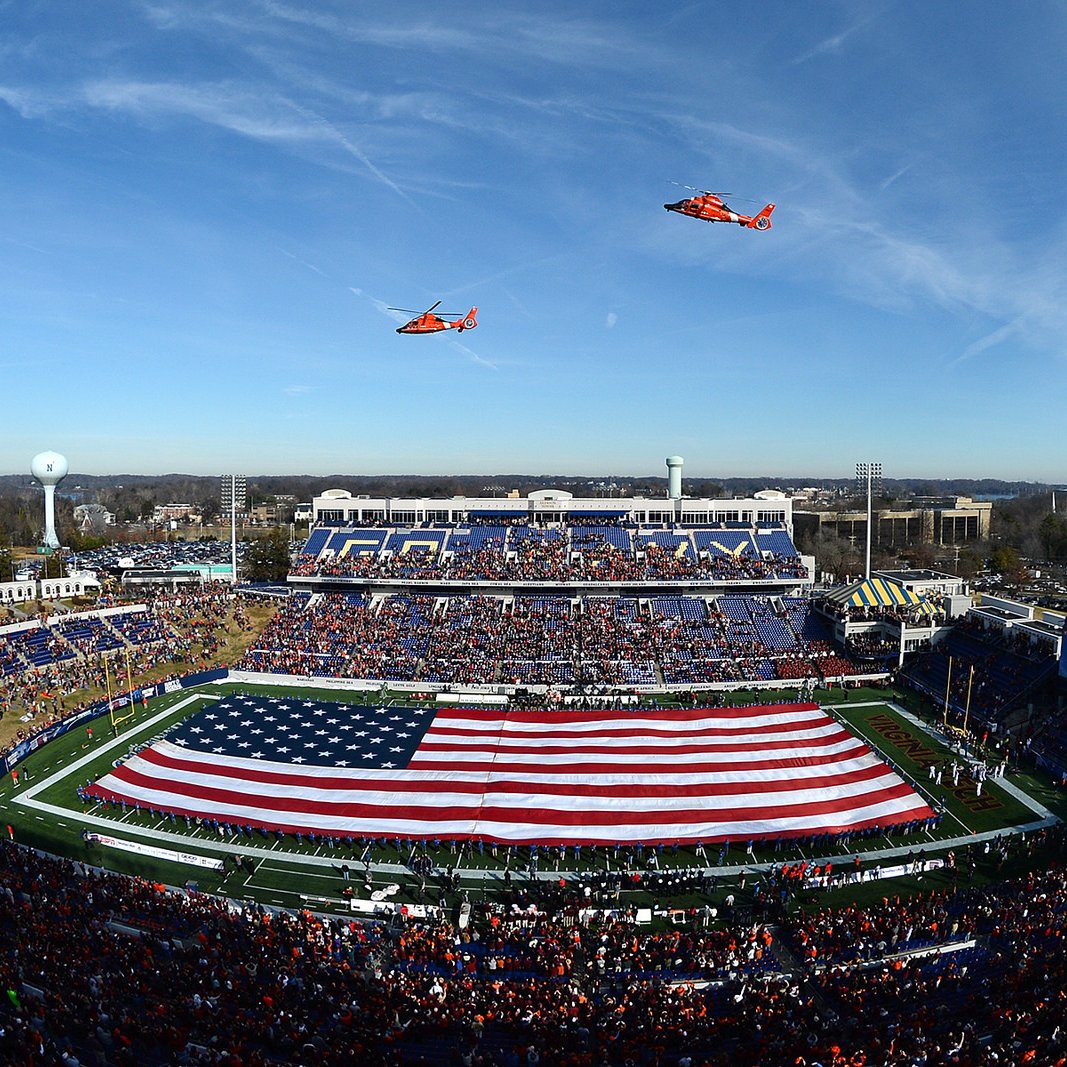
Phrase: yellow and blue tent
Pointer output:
(880, 593)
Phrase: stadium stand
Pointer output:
(992, 670)
(41, 646)
(548, 640)
(46, 669)
(592, 550)
(728, 544)
(555, 971)
(106, 969)
(89, 633)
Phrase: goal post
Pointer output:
(131, 707)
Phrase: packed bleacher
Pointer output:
(516, 640)
(39, 647)
(580, 551)
(49, 664)
(1048, 745)
(105, 969)
(873, 647)
(992, 670)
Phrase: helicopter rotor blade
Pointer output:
(694, 189)
(410, 311)
(715, 192)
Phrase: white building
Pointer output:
(337, 507)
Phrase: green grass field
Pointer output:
(44, 811)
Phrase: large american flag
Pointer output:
(516, 776)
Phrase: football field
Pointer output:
(283, 869)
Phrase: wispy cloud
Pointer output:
(507, 272)
(989, 341)
(250, 111)
(839, 232)
(27, 103)
(550, 37)
(610, 321)
(304, 263)
(240, 109)
(230, 106)
(473, 356)
(24, 244)
(381, 306)
(332, 134)
(836, 42)
(893, 177)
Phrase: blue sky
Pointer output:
(207, 207)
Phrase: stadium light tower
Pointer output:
(871, 473)
(233, 527)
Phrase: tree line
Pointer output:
(1023, 527)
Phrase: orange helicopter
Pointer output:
(711, 207)
(428, 322)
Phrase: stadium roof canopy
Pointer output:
(875, 592)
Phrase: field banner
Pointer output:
(335, 769)
(154, 851)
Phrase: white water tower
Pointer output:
(49, 468)
(674, 477)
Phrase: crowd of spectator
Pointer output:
(872, 647)
(543, 640)
(106, 969)
(90, 652)
(577, 552)
(991, 671)
(901, 614)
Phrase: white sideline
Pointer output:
(123, 741)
